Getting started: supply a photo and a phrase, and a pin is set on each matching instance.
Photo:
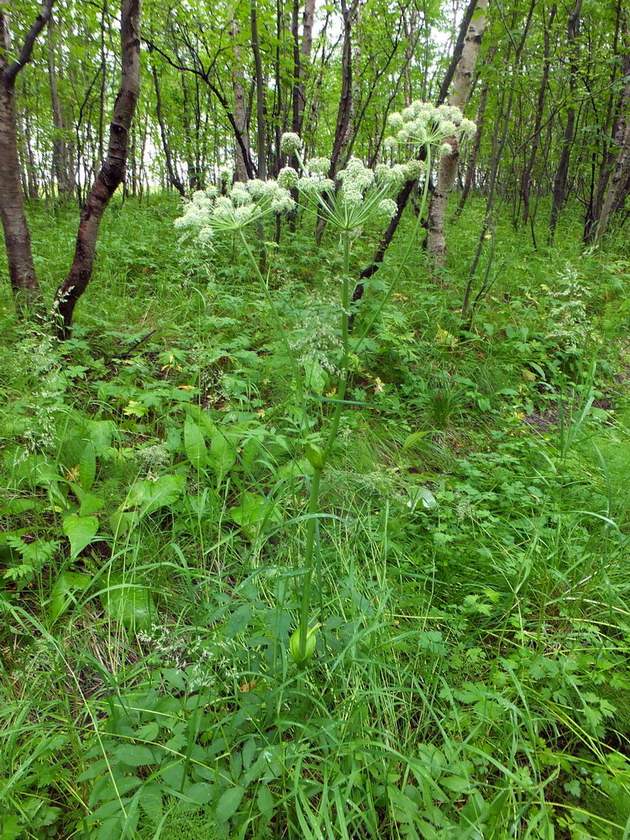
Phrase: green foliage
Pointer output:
(468, 677)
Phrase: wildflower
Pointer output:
(288, 178)
(446, 149)
(388, 207)
(290, 143)
(319, 166)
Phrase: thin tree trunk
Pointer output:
(16, 233)
(405, 191)
(474, 152)
(112, 171)
(172, 174)
(63, 167)
(260, 96)
(560, 179)
(240, 110)
(529, 167)
(436, 241)
(621, 170)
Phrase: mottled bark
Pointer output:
(621, 170)
(436, 242)
(240, 108)
(63, 164)
(112, 171)
(261, 142)
(16, 233)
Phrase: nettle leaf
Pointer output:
(80, 530)
(130, 604)
(62, 595)
(195, 444)
(87, 466)
(229, 802)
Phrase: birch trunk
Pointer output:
(436, 242)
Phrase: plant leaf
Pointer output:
(62, 592)
(195, 444)
(80, 530)
(229, 802)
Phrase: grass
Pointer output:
(471, 674)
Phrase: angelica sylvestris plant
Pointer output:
(358, 196)
(243, 204)
(429, 127)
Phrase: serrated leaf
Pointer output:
(195, 444)
(62, 595)
(87, 466)
(265, 801)
(80, 530)
(229, 802)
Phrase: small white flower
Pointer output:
(288, 178)
(290, 143)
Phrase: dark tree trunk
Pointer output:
(16, 233)
(562, 172)
(526, 177)
(172, 174)
(112, 171)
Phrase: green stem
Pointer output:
(403, 262)
(296, 373)
(313, 502)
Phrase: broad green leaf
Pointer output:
(80, 530)
(90, 503)
(253, 512)
(87, 466)
(229, 802)
(195, 444)
(222, 455)
(130, 604)
(134, 755)
(150, 496)
(122, 521)
(62, 592)
(200, 793)
(265, 801)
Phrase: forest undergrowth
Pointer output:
(470, 585)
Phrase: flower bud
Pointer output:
(301, 657)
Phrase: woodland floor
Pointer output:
(471, 678)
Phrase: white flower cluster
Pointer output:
(423, 124)
(244, 204)
(290, 143)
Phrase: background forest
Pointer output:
(315, 423)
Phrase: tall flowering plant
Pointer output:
(358, 196)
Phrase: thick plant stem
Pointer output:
(313, 502)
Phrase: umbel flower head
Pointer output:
(423, 124)
(245, 203)
(290, 143)
(360, 195)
